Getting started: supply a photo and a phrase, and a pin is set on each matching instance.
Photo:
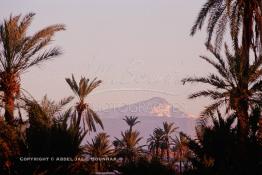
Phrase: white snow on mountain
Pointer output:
(152, 113)
(154, 107)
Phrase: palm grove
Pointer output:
(228, 134)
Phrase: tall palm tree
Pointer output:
(169, 129)
(99, 147)
(243, 16)
(154, 141)
(181, 150)
(131, 121)
(129, 147)
(225, 86)
(84, 112)
(19, 52)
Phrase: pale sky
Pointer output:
(139, 48)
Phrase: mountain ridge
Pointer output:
(153, 107)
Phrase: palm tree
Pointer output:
(243, 16)
(181, 150)
(84, 112)
(129, 147)
(131, 121)
(225, 86)
(168, 129)
(99, 147)
(215, 145)
(53, 108)
(19, 52)
(50, 132)
(155, 141)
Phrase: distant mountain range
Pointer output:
(154, 107)
(152, 113)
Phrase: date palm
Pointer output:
(99, 147)
(241, 15)
(131, 121)
(19, 52)
(129, 147)
(245, 20)
(84, 112)
(168, 130)
(50, 132)
(53, 108)
(154, 141)
(226, 88)
(181, 150)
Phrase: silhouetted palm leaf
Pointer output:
(131, 121)
(84, 112)
(225, 89)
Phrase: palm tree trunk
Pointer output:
(79, 114)
(10, 86)
(180, 162)
(130, 129)
(180, 167)
(9, 106)
(96, 166)
(162, 153)
(243, 122)
(242, 109)
(168, 150)
(168, 153)
(99, 166)
(157, 151)
(246, 44)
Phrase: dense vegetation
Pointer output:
(47, 137)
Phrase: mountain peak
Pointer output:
(153, 107)
(157, 100)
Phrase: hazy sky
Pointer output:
(139, 48)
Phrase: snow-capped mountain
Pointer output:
(154, 107)
(151, 114)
